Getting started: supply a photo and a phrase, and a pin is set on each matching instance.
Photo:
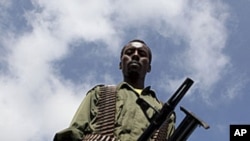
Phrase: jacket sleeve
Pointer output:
(80, 124)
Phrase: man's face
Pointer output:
(135, 60)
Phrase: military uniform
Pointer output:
(130, 119)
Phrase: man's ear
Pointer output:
(120, 65)
(149, 68)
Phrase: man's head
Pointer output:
(138, 42)
(135, 59)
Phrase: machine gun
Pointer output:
(166, 110)
(188, 124)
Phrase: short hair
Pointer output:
(141, 41)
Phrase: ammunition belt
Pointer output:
(98, 137)
(161, 133)
(106, 119)
(105, 116)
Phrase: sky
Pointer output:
(53, 52)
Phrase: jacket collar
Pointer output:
(146, 91)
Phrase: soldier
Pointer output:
(113, 112)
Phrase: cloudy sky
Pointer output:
(53, 51)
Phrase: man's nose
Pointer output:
(135, 56)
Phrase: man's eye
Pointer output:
(142, 53)
(129, 51)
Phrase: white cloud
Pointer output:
(4, 4)
(87, 20)
(30, 85)
(144, 13)
(202, 26)
(205, 58)
(234, 89)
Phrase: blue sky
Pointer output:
(53, 52)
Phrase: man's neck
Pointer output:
(136, 83)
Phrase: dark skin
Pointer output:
(135, 64)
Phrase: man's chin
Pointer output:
(133, 73)
(134, 69)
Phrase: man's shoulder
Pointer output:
(96, 88)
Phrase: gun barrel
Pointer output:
(166, 110)
(180, 92)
